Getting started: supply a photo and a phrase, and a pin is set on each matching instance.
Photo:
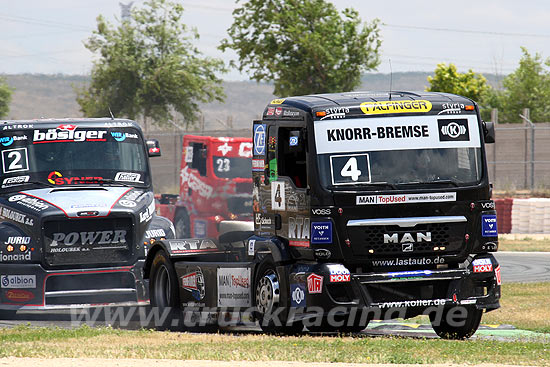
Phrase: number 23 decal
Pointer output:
(224, 164)
(15, 160)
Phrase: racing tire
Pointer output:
(446, 331)
(164, 292)
(182, 225)
(267, 298)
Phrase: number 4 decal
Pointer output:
(15, 160)
(278, 195)
(350, 169)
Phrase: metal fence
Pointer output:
(519, 160)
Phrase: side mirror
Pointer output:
(153, 148)
(489, 131)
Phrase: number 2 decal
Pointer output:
(15, 160)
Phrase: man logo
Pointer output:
(453, 130)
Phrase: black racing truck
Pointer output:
(366, 205)
(76, 213)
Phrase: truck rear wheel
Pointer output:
(268, 301)
(183, 229)
(466, 327)
(164, 290)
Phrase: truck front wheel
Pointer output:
(449, 327)
(268, 301)
(164, 290)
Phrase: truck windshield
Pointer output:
(232, 167)
(74, 155)
(396, 151)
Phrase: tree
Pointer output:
(303, 46)
(5, 97)
(447, 79)
(149, 67)
(527, 87)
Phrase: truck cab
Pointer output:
(215, 185)
(77, 213)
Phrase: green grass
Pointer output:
(110, 343)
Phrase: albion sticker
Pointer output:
(386, 107)
(405, 198)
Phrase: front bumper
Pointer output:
(328, 286)
(31, 287)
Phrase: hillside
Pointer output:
(38, 95)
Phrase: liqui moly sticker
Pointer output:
(405, 198)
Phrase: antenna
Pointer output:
(111, 112)
(391, 77)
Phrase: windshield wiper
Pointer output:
(450, 182)
(383, 184)
(41, 183)
(111, 181)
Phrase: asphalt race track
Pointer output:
(516, 267)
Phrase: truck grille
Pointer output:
(88, 241)
(369, 241)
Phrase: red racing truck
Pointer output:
(215, 185)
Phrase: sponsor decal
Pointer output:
(386, 107)
(321, 232)
(278, 111)
(245, 150)
(405, 198)
(128, 203)
(120, 136)
(277, 101)
(195, 183)
(290, 113)
(15, 160)
(497, 275)
(19, 295)
(56, 178)
(14, 181)
(225, 148)
(8, 126)
(453, 130)
(407, 237)
(412, 274)
(270, 111)
(298, 228)
(409, 261)
(335, 113)
(314, 283)
(251, 245)
(293, 141)
(68, 133)
(194, 283)
(191, 246)
(321, 211)
(278, 201)
(258, 165)
(16, 217)
(117, 124)
(338, 273)
(116, 239)
(17, 240)
(199, 227)
(451, 108)
(155, 233)
(10, 256)
(128, 177)
(259, 139)
(295, 243)
(482, 265)
(489, 225)
(234, 287)
(8, 140)
(188, 152)
(134, 195)
(18, 281)
(297, 295)
(415, 303)
(395, 133)
(147, 214)
(488, 205)
(29, 202)
(468, 302)
(262, 221)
